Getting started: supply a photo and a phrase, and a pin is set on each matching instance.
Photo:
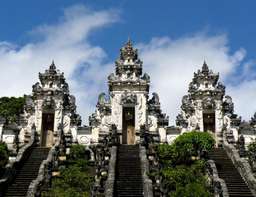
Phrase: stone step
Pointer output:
(227, 171)
(27, 173)
(128, 182)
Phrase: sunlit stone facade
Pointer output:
(207, 108)
(127, 105)
(48, 108)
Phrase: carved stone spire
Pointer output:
(128, 62)
(127, 52)
(52, 68)
(205, 68)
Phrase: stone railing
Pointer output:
(44, 173)
(105, 160)
(149, 163)
(147, 182)
(109, 185)
(241, 164)
(12, 167)
(219, 186)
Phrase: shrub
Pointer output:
(192, 144)
(74, 180)
(4, 156)
(184, 147)
(167, 154)
(77, 152)
(11, 107)
(183, 175)
(191, 190)
(252, 147)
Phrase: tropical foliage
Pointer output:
(4, 156)
(252, 147)
(75, 178)
(183, 166)
(11, 107)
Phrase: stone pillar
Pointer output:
(218, 123)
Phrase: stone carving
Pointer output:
(155, 99)
(208, 103)
(29, 106)
(228, 105)
(241, 146)
(128, 98)
(181, 121)
(253, 120)
(206, 95)
(48, 103)
(36, 87)
(128, 87)
(187, 105)
(146, 77)
(102, 98)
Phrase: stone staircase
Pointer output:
(228, 172)
(27, 173)
(128, 181)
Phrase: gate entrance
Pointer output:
(128, 135)
(209, 122)
(47, 130)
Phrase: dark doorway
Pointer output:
(209, 122)
(47, 129)
(128, 135)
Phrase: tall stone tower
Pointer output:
(206, 107)
(128, 106)
(49, 107)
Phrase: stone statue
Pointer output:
(146, 77)
(241, 146)
(111, 77)
(102, 98)
(155, 99)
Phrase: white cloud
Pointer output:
(67, 43)
(171, 64)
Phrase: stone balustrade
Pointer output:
(219, 186)
(241, 164)
(11, 167)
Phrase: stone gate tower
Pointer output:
(49, 107)
(128, 106)
(206, 107)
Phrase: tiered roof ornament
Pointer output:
(128, 61)
(205, 83)
(128, 69)
(53, 86)
(206, 88)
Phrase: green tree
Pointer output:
(191, 190)
(252, 147)
(183, 168)
(11, 107)
(4, 156)
(192, 144)
(75, 179)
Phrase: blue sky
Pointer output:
(169, 34)
(142, 20)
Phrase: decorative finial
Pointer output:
(205, 67)
(52, 66)
(129, 43)
(128, 52)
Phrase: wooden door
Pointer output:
(47, 129)
(209, 122)
(128, 135)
